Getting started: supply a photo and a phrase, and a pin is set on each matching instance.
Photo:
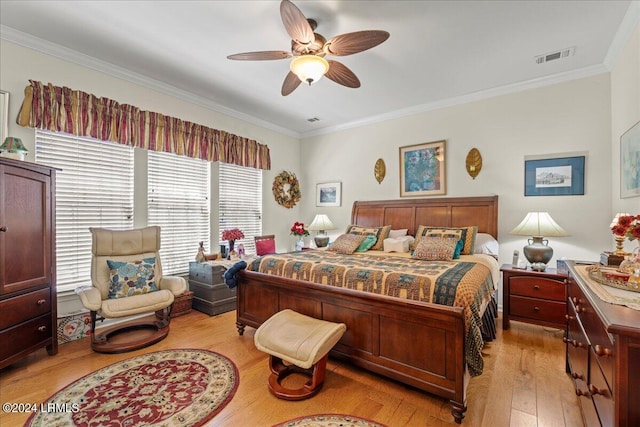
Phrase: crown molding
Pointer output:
(629, 23)
(61, 52)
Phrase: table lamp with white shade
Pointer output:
(538, 225)
(321, 223)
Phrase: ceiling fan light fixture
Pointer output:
(309, 68)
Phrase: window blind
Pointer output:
(178, 201)
(240, 202)
(94, 188)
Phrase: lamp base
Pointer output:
(321, 241)
(538, 266)
(538, 253)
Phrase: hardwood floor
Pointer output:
(524, 381)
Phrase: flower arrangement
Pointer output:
(627, 226)
(297, 229)
(232, 234)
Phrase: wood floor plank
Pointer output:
(500, 397)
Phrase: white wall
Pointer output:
(567, 117)
(625, 112)
(20, 64)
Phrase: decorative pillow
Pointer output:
(393, 234)
(131, 278)
(381, 233)
(367, 243)
(467, 234)
(486, 244)
(399, 244)
(347, 243)
(436, 248)
(458, 250)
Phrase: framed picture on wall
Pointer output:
(422, 169)
(4, 115)
(328, 194)
(630, 162)
(560, 176)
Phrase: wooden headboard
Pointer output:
(438, 212)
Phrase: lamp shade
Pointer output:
(321, 223)
(538, 224)
(13, 147)
(309, 68)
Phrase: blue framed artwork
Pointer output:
(630, 162)
(560, 176)
(422, 171)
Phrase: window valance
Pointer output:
(61, 109)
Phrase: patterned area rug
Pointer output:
(168, 388)
(330, 420)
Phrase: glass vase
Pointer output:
(300, 243)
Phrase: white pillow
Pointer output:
(399, 244)
(398, 233)
(486, 244)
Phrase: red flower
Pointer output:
(297, 229)
(232, 234)
(627, 226)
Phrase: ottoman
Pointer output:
(297, 344)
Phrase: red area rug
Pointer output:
(330, 420)
(168, 388)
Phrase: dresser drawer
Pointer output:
(538, 287)
(25, 336)
(600, 393)
(532, 308)
(18, 309)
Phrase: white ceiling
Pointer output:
(439, 52)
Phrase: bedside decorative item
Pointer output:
(422, 169)
(625, 226)
(379, 170)
(13, 148)
(538, 224)
(286, 189)
(473, 163)
(200, 255)
(321, 223)
(231, 235)
(298, 230)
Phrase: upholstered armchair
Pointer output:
(127, 280)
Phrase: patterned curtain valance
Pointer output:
(62, 109)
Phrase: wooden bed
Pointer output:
(380, 329)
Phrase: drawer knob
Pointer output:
(602, 351)
(595, 390)
(574, 300)
(3, 228)
(567, 317)
(577, 376)
(536, 287)
(580, 309)
(42, 328)
(41, 301)
(572, 342)
(536, 309)
(582, 393)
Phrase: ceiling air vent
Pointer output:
(313, 119)
(552, 56)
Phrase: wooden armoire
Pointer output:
(27, 260)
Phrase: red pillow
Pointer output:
(265, 247)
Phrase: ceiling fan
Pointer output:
(308, 50)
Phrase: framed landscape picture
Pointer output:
(422, 169)
(630, 162)
(561, 176)
(328, 194)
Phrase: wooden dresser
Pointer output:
(27, 260)
(603, 355)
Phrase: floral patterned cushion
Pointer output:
(131, 278)
(467, 234)
(347, 243)
(381, 233)
(436, 248)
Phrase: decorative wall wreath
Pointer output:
(286, 189)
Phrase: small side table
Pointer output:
(538, 297)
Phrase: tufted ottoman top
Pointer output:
(296, 338)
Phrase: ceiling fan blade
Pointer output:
(295, 23)
(291, 82)
(260, 56)
(340, 74)
(350, 43)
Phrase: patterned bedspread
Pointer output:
(454, 283)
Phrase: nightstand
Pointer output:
(538, 297)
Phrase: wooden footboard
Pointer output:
(380, 329)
